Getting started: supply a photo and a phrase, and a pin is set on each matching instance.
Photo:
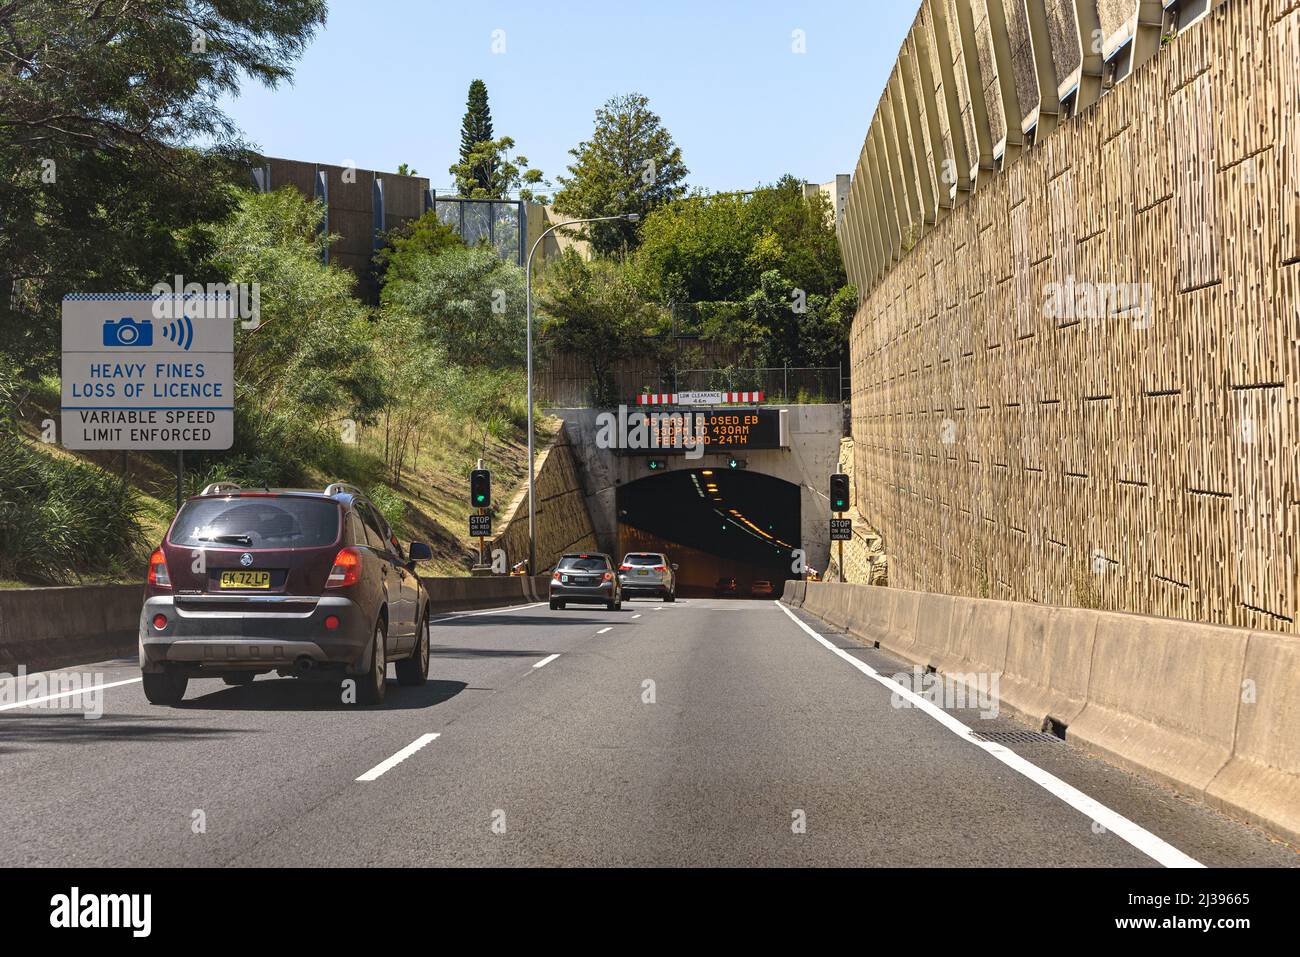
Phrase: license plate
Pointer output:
(643, 571)
(242, 579)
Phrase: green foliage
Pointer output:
(489, 172)
(630, 165)
(426, 236)
(778, 323)
(96, 192)
(58, 518)
(469, 303)
(393, 507)
(310, 354)
(594, 310)
(715, 248)
(476, 128)
(761, 270)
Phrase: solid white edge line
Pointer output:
(610, 628)
(1142, 839)
(64, 694)
(545, 661)
(389, 763)
(454, 616)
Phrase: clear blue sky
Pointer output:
(385, 82)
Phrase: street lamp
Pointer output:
(528, 305)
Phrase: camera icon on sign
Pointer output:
(127, 332)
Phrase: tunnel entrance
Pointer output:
(714, 523)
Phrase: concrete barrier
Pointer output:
(1162, 697)
(1261, 782)
(53, 627)
(977, 641)
(869, 613)
(1048, 662)
(42, 628)
(1210, 711)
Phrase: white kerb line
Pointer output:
(1142, 839)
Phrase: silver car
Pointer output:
(648, 573)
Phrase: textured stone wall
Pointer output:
(1141, 459)
(563, 523)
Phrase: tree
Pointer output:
(780, 323)
(760, 269)
(490, 163)
(406, 244)
(96, 192)
(310, 355)
(469, 302)
(476, 128)
(593, 309)
(715, 248)
(405, 169)
(630, 165)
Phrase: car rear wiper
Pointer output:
(231, 539)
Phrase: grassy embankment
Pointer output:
(429, 503)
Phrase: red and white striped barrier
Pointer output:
(698, 398)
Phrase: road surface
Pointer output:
(704, 732)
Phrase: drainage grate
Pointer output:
(1017, 737)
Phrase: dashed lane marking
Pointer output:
(383, 767)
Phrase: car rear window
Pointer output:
(286, 522)
(588, 564)
(643, 560)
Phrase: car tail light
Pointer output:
(555, 576)
(331, 622)
(160, 622)
(609, 576)
(346, 570)
(158, 576)
(625, 568)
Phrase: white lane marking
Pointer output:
(656, 609)
(637, 615)
(611, 628)
(66, 694)
(1142, 839)
(389, 763)
(453, 616)
(545, 661)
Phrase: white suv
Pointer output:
(648, 573)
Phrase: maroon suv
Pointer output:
(296, 582)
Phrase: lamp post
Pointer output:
(528, 306)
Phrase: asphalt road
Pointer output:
(700, 733)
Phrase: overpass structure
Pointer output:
(1075, 230)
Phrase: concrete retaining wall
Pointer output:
(563, 522)
(1210, 711)
(54, 627)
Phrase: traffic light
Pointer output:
(480, 488)
(657, 465)
(735, 463)
(839, 492)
